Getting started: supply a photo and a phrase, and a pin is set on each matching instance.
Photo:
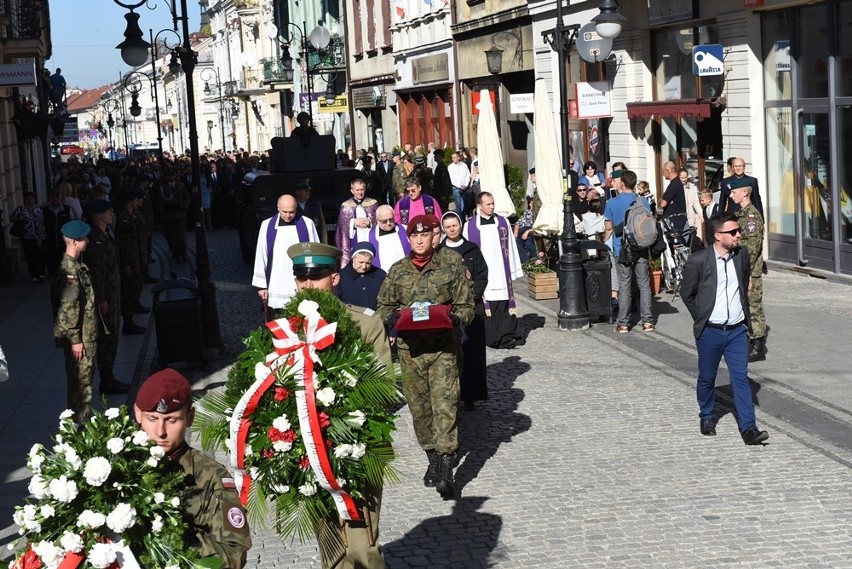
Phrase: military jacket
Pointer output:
(751, 237)
(399, 178)
(142, 231)
(101, 256)
(219, 524)
(128, 241)
(372, 331)
(443, 280)
(73, 302)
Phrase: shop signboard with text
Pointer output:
(318, 115)
(430, 69)
(17, 74)
(594, 99)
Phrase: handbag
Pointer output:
(18, 229)
(439, 319)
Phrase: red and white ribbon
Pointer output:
(290, 350)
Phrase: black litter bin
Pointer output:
(597, 279)
(177, 318)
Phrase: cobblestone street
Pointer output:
(587, 453)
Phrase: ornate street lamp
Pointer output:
(134, 49)
(207, 75)
(317, 40)
(609, 22)
(494, 59)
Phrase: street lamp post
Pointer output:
(573, 310)
(110, 106)
(207, 91)
(318, 39)
(132, 85)
(123, 118)
(206, 288)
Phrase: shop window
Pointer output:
(812, 51)
(673, 64)
(777, 60)
(780, 185)
(845, 173)
(844, 51)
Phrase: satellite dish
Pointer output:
(270, 30)
(591, 46)
(319, 37)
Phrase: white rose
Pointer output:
(358, 450)
(71, 542)
(157, 451)
(308, 307)
(36, 450)
(342, 451)
(36, 462)
(112, 413)
(65, 415)
(18, 517)
(357, 418)
(175, 502)
(115, 445)
(50, 555)
(282, 423)
(280, 488)
(101, 555)
(308, 489)
(326, 396)
(73, 458)
(60, 447)
(122, 517)
(63, 490)
(157, 524)
(91, 520)
(33, 526)
(152, 462)
(349, 379)
(140, 438)
(282, 446)
(159, 498)
(47, 511)
(37, 487)
(97, 471)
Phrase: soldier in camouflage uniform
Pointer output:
(101, 257)
(219, 527)
(345, 544)
(75, 327)
(398, 177)
(751, 237)
(429, 356)
(130, 254)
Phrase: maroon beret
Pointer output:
(164, 392)
(422, 224)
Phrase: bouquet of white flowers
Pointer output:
(103, 496)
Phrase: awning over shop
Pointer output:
(678, 107)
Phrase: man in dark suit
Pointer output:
(725, 202)
(375, 185)
(721, 323)
(385, 167)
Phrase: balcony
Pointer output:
(247, 8)
(332, 58)
(274, 71)
(24, 28)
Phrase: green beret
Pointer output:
(313, 260)
(75, 229)
(739, 183)
(616, 174)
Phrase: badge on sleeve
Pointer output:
(236, 518)
(751, 226)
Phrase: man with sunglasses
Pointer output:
(715, 291)
(388, 238)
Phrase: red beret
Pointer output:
(164, 392)
(422, 224)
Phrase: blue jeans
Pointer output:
(712, 344)
(458, 198)
(526, 248)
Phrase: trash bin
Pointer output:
(597, 280)
(177, 320)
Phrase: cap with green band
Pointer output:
(313, 259)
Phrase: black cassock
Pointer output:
(474, 386)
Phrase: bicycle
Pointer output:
(673, 259)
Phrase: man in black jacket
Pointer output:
(385, 168)
(721, 323)
(442, 186)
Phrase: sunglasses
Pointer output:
(388, 220)
(731, 232)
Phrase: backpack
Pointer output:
(640, 226)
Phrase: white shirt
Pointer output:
(282, 283)
(498, 288)
(728, 308)
(390, 247)
(459, 175)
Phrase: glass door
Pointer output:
(816, 183)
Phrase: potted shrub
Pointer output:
(542, 283)
(655, 266)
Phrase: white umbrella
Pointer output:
(491, 177)
(548, 163)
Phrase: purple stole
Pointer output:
(503, 231)
(301, 230)
(405, 206)
(374, 241)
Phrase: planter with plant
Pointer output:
(542, 283)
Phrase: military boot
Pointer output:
(757, 350)
(431, 476)
(131, 328)
(445, 485)
(110, 385)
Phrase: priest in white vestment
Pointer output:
(493, 234)
(388, 238)
(273, 269)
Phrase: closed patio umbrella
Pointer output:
(548, 163)
(491, 176)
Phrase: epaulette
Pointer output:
(369, 312)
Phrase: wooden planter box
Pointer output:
(543, 286)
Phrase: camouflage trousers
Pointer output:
(431, 389)
(79, 376)
(108, 337)
(353, 544)
(755, 307)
